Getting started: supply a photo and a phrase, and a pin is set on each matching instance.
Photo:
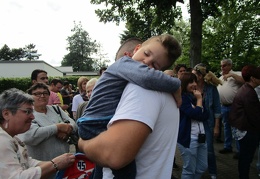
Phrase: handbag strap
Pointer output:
(57, 110)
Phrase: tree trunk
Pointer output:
(196, 32)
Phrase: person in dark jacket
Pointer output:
(245, 118)
(192, 138)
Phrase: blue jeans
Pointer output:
(248, 145)
(194, 159)
(91, 128)
(212, 165)
(227, 128)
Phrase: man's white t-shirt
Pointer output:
(228, 89)
(158, 110)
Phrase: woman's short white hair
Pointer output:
(91, 82)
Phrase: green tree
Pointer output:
(181, 31)
(152, 17)
(7, 54)
(143, 18)
(17, 53)
(29, 53)
(234, 34)
(100, 59)
(81, 48)
(200, 10)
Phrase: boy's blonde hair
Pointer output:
(172, 46)
(91, 82)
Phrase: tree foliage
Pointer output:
(26, 53)
(218, 29)
(81, 50)
(30, 53)
(100, 59)
(200, 10)
(153, 17)
(234, 34)
(181, 31)
(143, 18)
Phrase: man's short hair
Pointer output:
(55, 81)
(101, 70)
(127, 46)
(35, 74)
(228, 61)
(65, 83)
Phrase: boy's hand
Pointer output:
(177, 96)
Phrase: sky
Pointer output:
(48, 23)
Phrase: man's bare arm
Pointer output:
(177, 97)
(118, 146)
(238, 78)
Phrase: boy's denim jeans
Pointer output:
(91, 128)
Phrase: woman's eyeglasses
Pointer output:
(39, 94)
(26, 110)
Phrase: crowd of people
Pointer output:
(131, 119)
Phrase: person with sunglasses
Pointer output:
(207, 84)
(48, 135)
(15, 118)
(231, 82)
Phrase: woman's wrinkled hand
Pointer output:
(62, 136)
(65, 128)
(64, 161)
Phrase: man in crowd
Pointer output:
(39, 75)
(55, 86)
(231, 82)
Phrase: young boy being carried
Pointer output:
(144, 69)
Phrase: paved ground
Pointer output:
(226, 165)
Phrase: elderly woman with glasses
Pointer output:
(15, 118)
(50, 130)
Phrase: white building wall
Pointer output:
(12, 69)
